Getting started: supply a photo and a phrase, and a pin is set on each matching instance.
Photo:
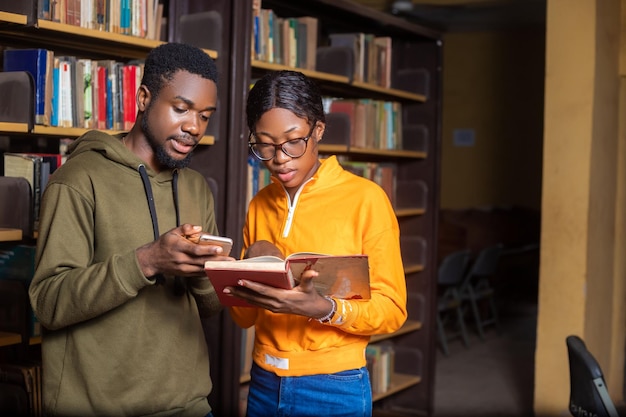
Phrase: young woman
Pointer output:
(309, 352)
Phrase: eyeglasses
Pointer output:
(293, 148)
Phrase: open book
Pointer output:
(342, 276)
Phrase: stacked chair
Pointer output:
(449, 279)
(476, 289)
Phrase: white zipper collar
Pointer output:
(292, 206)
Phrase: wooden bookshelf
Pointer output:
(13, 127)
(13, 18)
(410, 212)
(67, 132)
(416, 51)
(411, 269)
(74, 38)
(9, 339)
(408, 327)
(343, 83)
(224, 161)
(10, 235)
(399, 382)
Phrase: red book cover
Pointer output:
(126, 97)
(347, 107)
(341, 276)
(102, 97)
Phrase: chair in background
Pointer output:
(476, 288)
(588, 393)
(449, 277)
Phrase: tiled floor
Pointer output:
(491, 378)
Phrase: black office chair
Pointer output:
(449, 276)
(588, 393)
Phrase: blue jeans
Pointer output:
(344, 394)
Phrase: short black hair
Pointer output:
(164, 61)
(290, 90)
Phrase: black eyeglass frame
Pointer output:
(280, 145)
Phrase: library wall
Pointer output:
(493, 85)
(582, 270)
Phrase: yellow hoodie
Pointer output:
(339, 213)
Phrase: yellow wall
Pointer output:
(581, 290)
(493, 84)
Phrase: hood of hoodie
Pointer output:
(114, 150)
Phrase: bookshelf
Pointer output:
(417, 51)
(223, 163)
(20, 28)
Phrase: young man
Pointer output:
(120, 300)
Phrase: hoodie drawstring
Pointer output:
(179, 286)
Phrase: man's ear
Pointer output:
(143, 98)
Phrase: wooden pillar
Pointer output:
(581, 288)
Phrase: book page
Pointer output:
(263, 258)
(261, 263)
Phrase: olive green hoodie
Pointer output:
(115, 343)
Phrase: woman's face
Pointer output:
(277, 126)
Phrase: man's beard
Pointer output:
(161, 154)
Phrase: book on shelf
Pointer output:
(307, 41)
(26, 375)
(380, 364)
(374, 124)
(258, 177)
(38, 63)
(63, 108)
(354, 41)
(35, 170)
(355, 110)
(341, 276)
(15, 207)
(383, 174)
(21, 7)
(383, 50)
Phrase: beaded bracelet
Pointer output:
(328, 317)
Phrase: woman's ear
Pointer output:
(319, 130)
(143, 98)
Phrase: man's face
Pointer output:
(175, 120)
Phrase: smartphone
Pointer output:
(225, 243)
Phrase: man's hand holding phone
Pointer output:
(225, 243)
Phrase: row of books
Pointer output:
(258, 177)
(372, 56)
(373, 124)
(382, 173)
(36, 168)
(20, 386)
(294, 41)
(290, 41)
(380, 365)
(77, 92)
(140, 18)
